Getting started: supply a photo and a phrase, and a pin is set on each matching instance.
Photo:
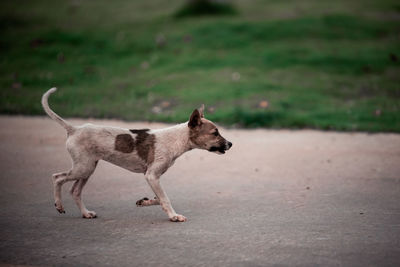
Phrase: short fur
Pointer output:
(146, 151)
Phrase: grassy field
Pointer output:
(293, 64)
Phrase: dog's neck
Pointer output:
(176, 139)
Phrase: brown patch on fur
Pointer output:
(124, 143)
(144, 144)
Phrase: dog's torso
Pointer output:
(134, 150)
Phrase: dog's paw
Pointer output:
(89, 215)
(178, 218)
(59, 208)
(141, 202)
(147, 202)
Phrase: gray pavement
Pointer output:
(277, 198)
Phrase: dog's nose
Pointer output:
(229, 144)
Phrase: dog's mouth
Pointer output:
(219, 150)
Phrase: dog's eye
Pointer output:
(216, 133)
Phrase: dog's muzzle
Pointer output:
(221, 149)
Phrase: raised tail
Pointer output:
(70, 129)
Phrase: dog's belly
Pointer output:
(130, 162)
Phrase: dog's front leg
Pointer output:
(154, 182)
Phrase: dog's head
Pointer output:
(205, 135)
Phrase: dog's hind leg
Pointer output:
(76, 192)
(81, 170)
(57, 177)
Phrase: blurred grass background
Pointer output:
(293, 64)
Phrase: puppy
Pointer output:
(146, 151)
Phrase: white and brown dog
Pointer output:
(146, 151)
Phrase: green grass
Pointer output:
(318, 64)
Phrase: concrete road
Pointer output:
(277, 198)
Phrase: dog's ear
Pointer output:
(195, 119)
(201, 111)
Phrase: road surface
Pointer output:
(277, 198)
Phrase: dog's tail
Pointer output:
(70, 129)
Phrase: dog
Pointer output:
(146, 151)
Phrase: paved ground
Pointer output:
(283, 198)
